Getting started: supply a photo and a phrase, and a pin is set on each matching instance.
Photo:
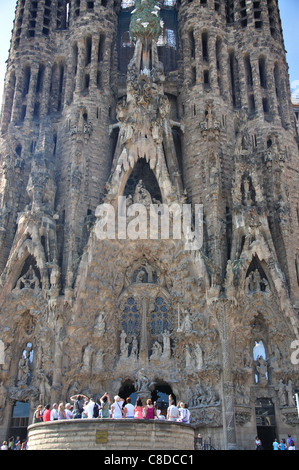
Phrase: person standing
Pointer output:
(17, 445)
(68, 411)
(38, 416)
(149, 410)
(105, 404)
(290, 443)
(282, 445)
(24, 445)
(258, 444)
(47, 413)
(78, 405)
(61, 412)
(89, 408)
(54, 412)
(11, 443)
(275, 445)
(172, 411)
(184, 413)
(138, 410)
(116, 407)
(130, 408)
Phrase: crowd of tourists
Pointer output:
(14, 444)
(284, 444)
(81, 406)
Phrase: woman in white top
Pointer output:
(68, 411)
(4, 446)
(116, 408)
(130, 408)
(184, 413)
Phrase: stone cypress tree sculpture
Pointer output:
(146, 26)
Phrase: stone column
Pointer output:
(56, 323)
(221, 306)
(143, 352)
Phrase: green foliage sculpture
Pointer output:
(146, 25)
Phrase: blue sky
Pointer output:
(289, 10)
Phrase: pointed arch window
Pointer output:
(235, 81)
(243, 13)
(33, 8)
(30, 275)
(260, 358)
(230, 11)
(130, 317)
(159, 317)
(143, 172)
(259, 350)
(9, 100)
(256, 279)
(26, 365)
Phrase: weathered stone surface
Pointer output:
(202, 116)
(97, 434)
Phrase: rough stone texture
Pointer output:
(95, 434)
(81, 125)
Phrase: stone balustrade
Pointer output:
(110, 434)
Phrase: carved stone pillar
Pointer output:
(56, 322)
(143, 353)
(221, 307)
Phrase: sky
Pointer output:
(289, 10)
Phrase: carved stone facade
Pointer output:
(188, 105)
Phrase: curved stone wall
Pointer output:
(110, 434)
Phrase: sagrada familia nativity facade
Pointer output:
(124, 106)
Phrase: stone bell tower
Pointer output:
(156, 106)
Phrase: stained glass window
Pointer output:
(159, 317)
(130, 317)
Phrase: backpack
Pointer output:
(95, 410)
(292, 443)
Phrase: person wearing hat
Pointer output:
(116, 407)
(68, 411)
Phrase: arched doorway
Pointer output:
(127, 390)
(160, 395)
(19, 420)
(265, 422)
